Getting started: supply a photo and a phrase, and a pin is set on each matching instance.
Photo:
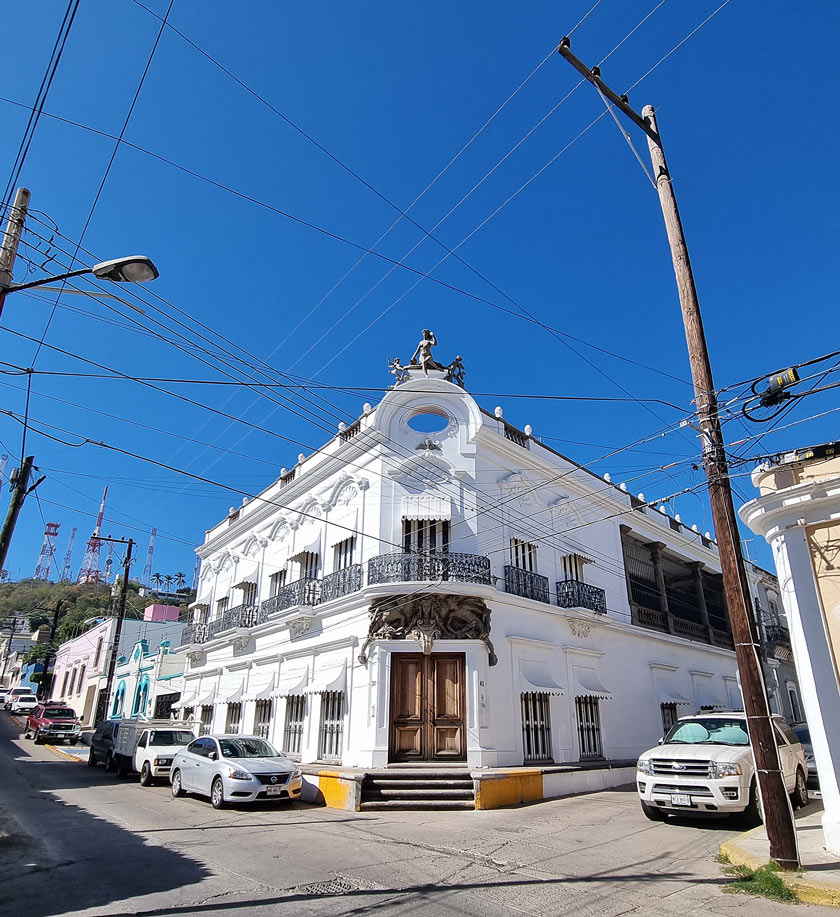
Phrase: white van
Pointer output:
(704, 766)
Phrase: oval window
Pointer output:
(428, 422)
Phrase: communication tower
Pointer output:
(147, 570)
(42, 571)
(90, 572)
(66, 574)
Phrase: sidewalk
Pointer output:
(819, 881)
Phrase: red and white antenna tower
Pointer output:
(42, 571)
(147, 570)
(89, 573)
(66, 574)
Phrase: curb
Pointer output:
(65, 754)
(806, 889)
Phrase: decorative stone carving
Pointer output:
(299, 627)
(427, 618)
(422, 357)
(424, 469)
(580, 628)
(195, 656)
(240, 644)
(455, 372)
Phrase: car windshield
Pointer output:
(247, 748)
(19, 691)
(27, 698)
(170, 737)
(709, 731)
(803, 734)
(60, 713)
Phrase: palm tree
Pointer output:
(168, 581)
(157, 579)
(180, 580)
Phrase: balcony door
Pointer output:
(428, 700)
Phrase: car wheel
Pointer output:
(109, 761)
(177, 789)
(38, 739)
(91, 759)
(146, 775)
(121, 767)
(654, 813)
(217, 794)
(752, 815)
(799, 797)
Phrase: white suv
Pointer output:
(704, 765)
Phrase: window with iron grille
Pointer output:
(343, 553)
(293, 730)
(306, 565)
(262, 718)
(588, 714)
(233, 719)
(187, 714)
(523, 554)
(795, 706)
(332, 726)
(425, 536)
(536, 727)
(275, 581)
(669, 716)
(221, 607)
(640, 572)
(206, 717)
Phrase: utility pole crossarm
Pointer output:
(594, 77)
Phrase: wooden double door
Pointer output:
(428, 700)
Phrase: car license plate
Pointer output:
(680, 799)
(274, 790)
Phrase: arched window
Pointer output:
(119, 700)
(141, 696)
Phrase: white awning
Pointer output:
(588, 684)
(333, 679)
(426, 506)
(308, 540)
(186, 701)
(706, 696)
(667, 693)
(208, 700)
(163, 687)
(246, 574)
(292, 682)
(537, 675)
(236, 697)
(194, 605)
(343, 524)
(267, 691)
(581, 558)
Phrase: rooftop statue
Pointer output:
(422, 359)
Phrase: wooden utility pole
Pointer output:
(45, 688)
(19, 485)
(102, 709)
(11, 241)
(778, 813)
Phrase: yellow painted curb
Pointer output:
(65, 754)
(806, 889)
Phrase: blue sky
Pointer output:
(394, 92)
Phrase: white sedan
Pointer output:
(234, 768)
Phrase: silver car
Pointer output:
(234, 768)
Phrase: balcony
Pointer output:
(418, 568)
(527, 584)
(654, 618)
(777, 635)
(238, 616)
(342, 582)
(300, 592)
(722, 638)
(690, 629)
(194, 633)
(575, 594)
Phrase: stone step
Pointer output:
(418, 774)
(416, 784)
(394, 804)
(419, 793)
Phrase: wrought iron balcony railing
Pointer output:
(442, 566)
(527, 584)
(574, 594)
(194, 633)
(300, 592)
(342, 582)
(777, 634)
(238, 616)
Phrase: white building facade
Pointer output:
(435, 585)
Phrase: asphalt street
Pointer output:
(75, 840)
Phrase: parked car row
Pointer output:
(19, 700)
(225, 768)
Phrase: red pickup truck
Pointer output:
(53, 722)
